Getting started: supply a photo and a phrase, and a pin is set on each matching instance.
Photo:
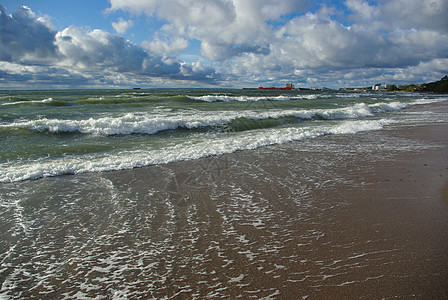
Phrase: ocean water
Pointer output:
(82, 218)
(53, 133)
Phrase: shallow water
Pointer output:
(280, 221)
(52, 133)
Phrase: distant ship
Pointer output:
(289, 86)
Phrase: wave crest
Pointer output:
(152, 123)
(220, 144)
(226, 98)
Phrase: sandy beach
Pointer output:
(374, 225)
(346, 216)
(223, 149)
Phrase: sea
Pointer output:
(69, 230)
(61, 132)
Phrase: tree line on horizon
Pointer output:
(438, 87)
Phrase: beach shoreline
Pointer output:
(374, 225)
(361, 215)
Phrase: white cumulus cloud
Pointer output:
(166, 46)
(224, 28)
(249, 37)
(122, 26)
(79, 56)
(238, 42)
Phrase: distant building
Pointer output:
(379, 87)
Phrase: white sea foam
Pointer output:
(152, 123)
(429, 100)
(47, 100)
(353, 95)
(226, 98)
(202, 146)
(198, 145)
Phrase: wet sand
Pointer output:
(346, 216)
(321, 218)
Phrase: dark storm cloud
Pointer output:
(24, 37)
(27, 40)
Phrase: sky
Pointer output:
(46, 44)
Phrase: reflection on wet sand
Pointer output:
(339, 216)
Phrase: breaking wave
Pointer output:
(48, 101)
(155, 122)
(226, 98)
(218, 145)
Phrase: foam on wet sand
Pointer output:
(359, 215)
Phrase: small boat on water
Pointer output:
(289, 86)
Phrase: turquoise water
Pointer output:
(52, 133)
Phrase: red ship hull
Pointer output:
(275, 88)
